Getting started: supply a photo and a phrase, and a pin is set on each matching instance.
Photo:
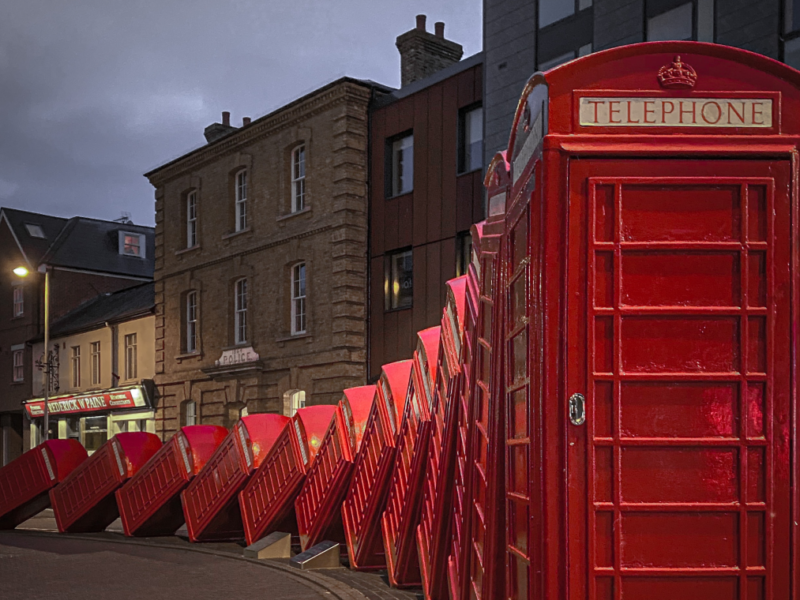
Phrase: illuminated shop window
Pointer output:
(399, 282)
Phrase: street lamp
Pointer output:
(23, 272)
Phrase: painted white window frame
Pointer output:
(191, 219)
(131, 356)
(19, 301)
(299, 178)
(240, 183)
(298, 401)
(94, 350)
(75, 366)
(191, 412)
(18, 364)
(124, 245)
(240, 311)
(299, 298)
(191, 321)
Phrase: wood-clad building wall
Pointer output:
(443, 203)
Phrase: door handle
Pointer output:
(577, 409)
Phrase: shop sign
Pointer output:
(237, 356)
(111, 400)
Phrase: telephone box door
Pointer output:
(679, 382)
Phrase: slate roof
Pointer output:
(114, 307)
(93, 245)
(33, 247)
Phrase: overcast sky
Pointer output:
(93, 93)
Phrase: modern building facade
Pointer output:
(104, 361)
(521, 37)
(426, 174)
(85, 258)
(261, 272)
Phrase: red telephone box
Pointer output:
(476, 532)
(437, 487)
(401, 516)
(649, 378)
(84, 501)
(150, 503)
(267, 501)
(318, 505)
(210, 502)
(26, 481)
(366, 497)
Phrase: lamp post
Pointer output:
(23, 272)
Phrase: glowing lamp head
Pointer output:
(21, 272)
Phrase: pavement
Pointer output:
(37, 562)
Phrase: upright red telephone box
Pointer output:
(650, 377)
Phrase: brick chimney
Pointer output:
(216, 131)
(423, 54)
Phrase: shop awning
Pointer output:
(113, 399)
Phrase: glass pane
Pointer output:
(402, 291)
(551, 11)
(791, 52)
(403, 165)
(675, 24)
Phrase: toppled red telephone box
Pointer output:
(84, 501)
(150, 503)
(26, 481)
(210, 501)
(437, 486)
(267, 501)
(318, 505)
(401, 516)
(366, 497)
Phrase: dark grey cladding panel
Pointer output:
(750, 24)
(618, 22)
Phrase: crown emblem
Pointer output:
(678, 75)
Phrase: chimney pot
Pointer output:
(245, 121)
(226, 117)
(421, 22)
(439, 28)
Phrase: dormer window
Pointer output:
(35, 231)
(132, 244)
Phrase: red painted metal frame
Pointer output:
(366, 498)
(318, 505)
(569, 547)
(26, 481)
(84, 501)
(267, 501)
(210, 501)
(432, 533)
(401, 516)
(150, 503)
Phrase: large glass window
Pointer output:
(191, 321)
(402, 166)
(19, 301)
(551, 11)
(131, 244)
(298, 179)
(241, 200)
(95, 365)
(94, 433)
(240, 314)
(674, 24)
(75, 364)
(191, 220)
(399, 283)
(131, 359)
(470, 155)
(19, 365)
(299, 299)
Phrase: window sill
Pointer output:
(299, 336)
(188, 355)
(306, 210)
(401, 194)
(228, 236)
(187, 250)
(392, 310)
(18, 382)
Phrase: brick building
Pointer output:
(86, 257)
(261, 262)
(426, 189)
(520, 37)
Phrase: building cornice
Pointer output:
(286, 116)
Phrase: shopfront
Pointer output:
(93, 418)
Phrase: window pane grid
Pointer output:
(240, 316)
(298, 179)
(95, 350)
(75, 360)
(130, 356)
(191, 220)
(241, 200)
(19, 369)
(191, 321)
(132, 245)
(299, 299)
(19, 301)
(191, 413)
